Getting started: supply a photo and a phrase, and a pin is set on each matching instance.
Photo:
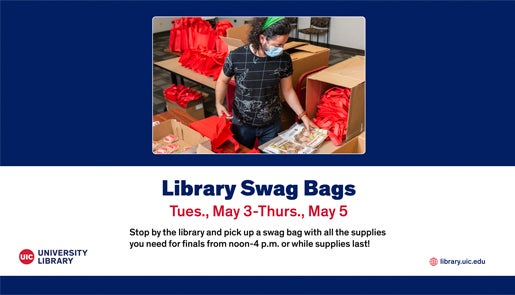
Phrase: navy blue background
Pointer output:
(77, 81)
(258, 285)
(439, 92)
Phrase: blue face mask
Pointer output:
(273, 51)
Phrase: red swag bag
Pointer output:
(218, 129)
(221, 31)
(181, 94)
(333, 112)
(206, 62)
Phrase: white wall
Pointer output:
(348, 32)
(164, 23)
(344, 31)
(236, 21)
(161, 23)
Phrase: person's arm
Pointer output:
(220, 91)
(293, 101)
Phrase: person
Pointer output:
(260, 69)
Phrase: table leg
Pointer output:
(174, 78)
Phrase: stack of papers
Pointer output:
(296, 140)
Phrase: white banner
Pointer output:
(256, 221)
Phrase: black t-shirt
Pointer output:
(256, 100)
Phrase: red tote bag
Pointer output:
(218, 129)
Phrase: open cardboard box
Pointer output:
(306, 57)
(194, 107)
(349, 73)
(237, 36)
(190, 141)
(354, 146)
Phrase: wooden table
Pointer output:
(176, 69)
(186, 119)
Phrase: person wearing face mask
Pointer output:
(261, 69)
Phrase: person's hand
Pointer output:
(308, 123)
(221, 110)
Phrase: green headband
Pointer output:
(272, 20)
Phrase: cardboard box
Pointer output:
(190, 141)
(203, 150)
(354, 146)
(349, 73)
(237, 36)
(306, 57)
(195, 108)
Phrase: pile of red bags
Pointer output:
(190, 32)
(202, 49)
(181, 94)
(218, 129)
(333, 112)
(206, 62)
(196, 33)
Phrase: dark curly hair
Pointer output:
(281, 27)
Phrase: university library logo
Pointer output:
(52, 256)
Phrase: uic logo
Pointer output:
(26, 256)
